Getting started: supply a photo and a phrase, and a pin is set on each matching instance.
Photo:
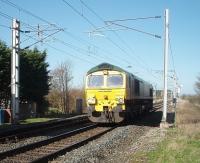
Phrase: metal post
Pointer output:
(79, 105)
(175, 86)
(15, 70)
(174, 97)
(166, 47)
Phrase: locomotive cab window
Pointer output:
(114, 80)
(95, 81)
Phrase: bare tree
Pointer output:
(197, 85)
(54, 99)
(60, 84)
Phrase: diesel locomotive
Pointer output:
(114, 95)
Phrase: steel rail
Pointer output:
(62, 151)
(159, 105)
(29, 131)
(23, 127)
(24, 148)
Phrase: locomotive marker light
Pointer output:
(91, 100)
(105, 72)
(120, 100)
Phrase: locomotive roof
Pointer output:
(108, 66)
(105, 66)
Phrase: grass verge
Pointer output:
(25, 121)
(35, 120)
(182, 143)
(176, 148)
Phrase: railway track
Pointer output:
(15, 135)
(48, 149)
(159, 105)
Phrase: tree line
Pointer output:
(37, 83)
(34, 79)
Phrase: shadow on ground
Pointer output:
(153, 119)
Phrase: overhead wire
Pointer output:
(170, 48)
(5, 26)
(42, 39)
(107, 53)
(80, 50)
(75, 10)
(33, 15)
(28, 12)
(58, 40)
(70, 46)
(175, 76)
(76, 57)
(5, 15)
(47, 36)
(11, 18)
(24, 10)
(108, 25)
(134, 29)
(64, 52)
(130, 19)
(42, 19)
(94, 26)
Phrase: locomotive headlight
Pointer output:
(91, 100)
(120, 100)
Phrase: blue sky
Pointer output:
(124, 48)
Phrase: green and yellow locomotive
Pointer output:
(113, 94)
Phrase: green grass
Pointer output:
(181, 144)
(35, 120)
(53, 111)
(178, 150)
(4, 125)
(26, 121)
(56, 113)
(175, 148)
